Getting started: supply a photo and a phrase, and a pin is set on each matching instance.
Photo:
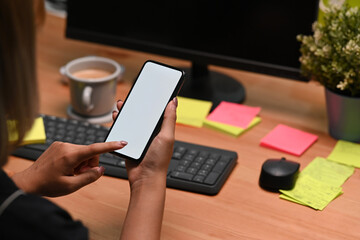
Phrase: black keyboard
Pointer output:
(193, 167)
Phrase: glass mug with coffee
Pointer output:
(92, 82)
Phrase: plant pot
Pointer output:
(343, 114)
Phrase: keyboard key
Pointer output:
(189, 157)
(195, 165)
(225, 159)
(61, 125)
(193, 152)
(182, 175)
(180, 168)
(203, 172)
(211, 178)
(191, 170)
(199, 179)
(206, 167)
(90, 131)
(185, 163)
(81, 129)
(177, 155)
(204, 154)
(109, 155)
(78, 141)
(215, 156)
(219, 167)
(181, 150)
(121, 163)
(73, 121)
(101, 134)
(90, 138)
(69, 139)
(172, 165)
(70, 127)
(109, 161)
(200, 160)
(210, 161)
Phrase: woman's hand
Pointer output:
(158, 156)
(64, 168)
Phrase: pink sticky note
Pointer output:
(288, 139)
(233, 114)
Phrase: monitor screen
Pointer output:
(252, 35)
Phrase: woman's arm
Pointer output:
(145, 211)
(148, 183)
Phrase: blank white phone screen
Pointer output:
(144, 107)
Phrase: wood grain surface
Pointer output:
(242, 210)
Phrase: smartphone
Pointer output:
(139, 120)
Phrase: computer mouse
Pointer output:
(278, 174)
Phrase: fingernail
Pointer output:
(114, 111)
(101, 170)
(123, 143)
(119, 100)
(175, 100)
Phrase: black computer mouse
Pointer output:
(278, 174)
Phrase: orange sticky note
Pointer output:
(234, 114)
(288, 139)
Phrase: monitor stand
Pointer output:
(201, 83)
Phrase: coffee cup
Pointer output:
(92, 81)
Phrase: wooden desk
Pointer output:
(242, 210)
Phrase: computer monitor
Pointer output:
(252, 35)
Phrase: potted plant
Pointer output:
(331, 56)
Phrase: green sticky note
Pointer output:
(35, 135)
(332, 173)
(313, 193)
(229, 129)
(192, 111)
(347, 153)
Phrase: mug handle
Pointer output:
(64, 79)
(86, 98)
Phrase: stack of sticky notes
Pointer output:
(233, 118)
(35, 135)
(288, 139)
(347, 153)
(192, 111)
(227, 117)
(318, 184)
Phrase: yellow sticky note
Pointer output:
(192, 111)
(323, 174)
(329, 172)
(313, 193)
(347, 153)
(34, 136)
(229, 129)
(36, 133)
(285, 197)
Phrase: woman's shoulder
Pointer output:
(33, 217)
(38, 209)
